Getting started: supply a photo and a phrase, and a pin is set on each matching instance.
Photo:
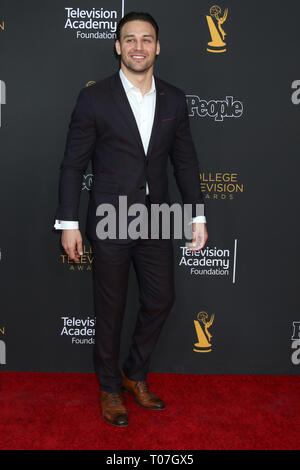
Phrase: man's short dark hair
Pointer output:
(136, 15)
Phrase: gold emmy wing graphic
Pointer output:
(202, 324)
(217, 34)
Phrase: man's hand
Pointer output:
(71, 241)
(200, 236)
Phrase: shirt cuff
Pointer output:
(66, 225)
(199, 219)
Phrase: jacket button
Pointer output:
(142, 187)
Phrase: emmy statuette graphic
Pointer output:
(217, 43)
(202, 324)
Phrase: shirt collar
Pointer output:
(128, 85)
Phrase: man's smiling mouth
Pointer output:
(138, 57)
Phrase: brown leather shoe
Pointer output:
(142, 394)
(113, 409)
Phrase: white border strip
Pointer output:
(234, 260)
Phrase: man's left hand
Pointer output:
(200, 236)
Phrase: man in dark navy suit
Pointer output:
(129, 124)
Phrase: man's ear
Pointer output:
(157, 48)
(118, 47)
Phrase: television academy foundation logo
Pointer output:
(91, 24)
(221, 185)
(295, 358)
(2, 96)
(202, 324)
(78, 330)
(209, 261)
(216, 109)
(2, 25)
(2, 346)
(217, 33)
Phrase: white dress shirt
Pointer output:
(143, 108)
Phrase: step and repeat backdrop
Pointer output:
(237, 301)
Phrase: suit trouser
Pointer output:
(153, 263)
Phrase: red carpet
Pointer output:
(62, 411)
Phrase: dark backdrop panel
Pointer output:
(249, 168)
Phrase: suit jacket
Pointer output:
(103, 129)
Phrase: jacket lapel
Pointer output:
(123, 104)
(157, 115)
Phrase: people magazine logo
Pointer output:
(95, 23)
(215, 109)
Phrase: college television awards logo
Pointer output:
(217, 33)
(2, 346)
(84, 263)
(91, 24)
(296, 343)
(221, 185)
(215, 109)
(202, 324)
(2, 96)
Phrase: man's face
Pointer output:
(137, 46)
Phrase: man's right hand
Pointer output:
(71, 241)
